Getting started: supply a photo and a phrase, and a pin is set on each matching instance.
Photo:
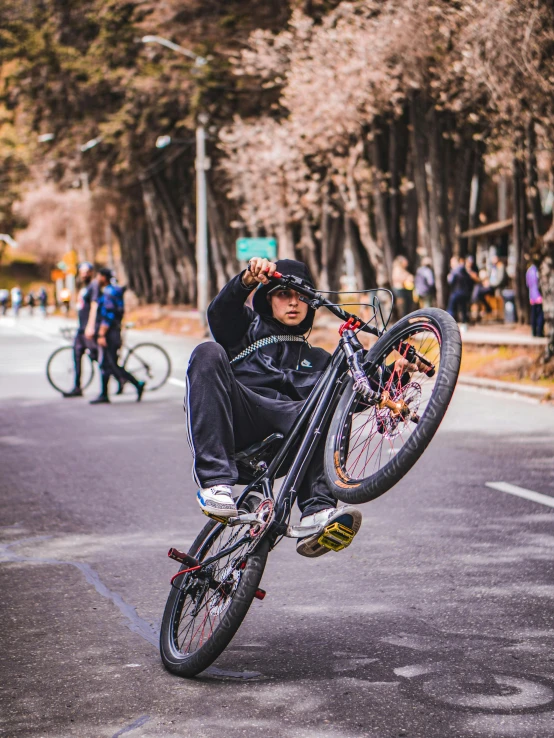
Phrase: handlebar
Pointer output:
(315, 300)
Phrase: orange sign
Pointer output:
(56, 274)
(70, 260)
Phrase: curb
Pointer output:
(513, 387)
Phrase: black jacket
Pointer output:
(281, 371)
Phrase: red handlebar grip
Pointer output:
(277, 274)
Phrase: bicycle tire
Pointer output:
(185, 664)
(56, 377)
(347, 485)
(141, 369)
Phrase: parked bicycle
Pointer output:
(148, 362)
(376, 411)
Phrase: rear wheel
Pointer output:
(60, 370)
(149, 363)
(204, 611)
(369, 448)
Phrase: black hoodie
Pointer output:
(283, 370)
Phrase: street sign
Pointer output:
(70, 260)
(57, 274)
(265, 248)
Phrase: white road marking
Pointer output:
(42, 335)
(176, 382)
(527, 494)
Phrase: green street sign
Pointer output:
(265, 248)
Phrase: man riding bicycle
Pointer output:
(252, 382)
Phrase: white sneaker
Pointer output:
(349, 517)
(217, 500)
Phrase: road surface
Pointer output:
(437, 622)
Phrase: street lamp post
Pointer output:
(202, 163)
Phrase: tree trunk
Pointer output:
(462, 174)
(358, 208)
(532, 189)
(336, 251)
(410, 216)
(219, 251)
(179, 257)
(419, 155)
(436, 209)
(379, 191)
(155, 246)
(547, 291)
(325, 238)
(308, 249)
(520, 225)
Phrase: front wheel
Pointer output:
(414, 367)
(205, 609)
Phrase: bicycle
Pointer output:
(377, 421)
(148, 362)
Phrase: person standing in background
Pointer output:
(31, 302)
(43, 301)
(65, 299)
(460, 290)
(535, 300)
(473, 284)
(4, 299)
(17, 299)
(402, 285)
(425, 283)
(84, 338)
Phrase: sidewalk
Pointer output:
(501, 335)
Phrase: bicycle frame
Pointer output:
(308, 428)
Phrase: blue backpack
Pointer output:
(112, 303)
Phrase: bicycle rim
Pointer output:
(149, 363)
(370, 437)
(60, 370)
(204, 618)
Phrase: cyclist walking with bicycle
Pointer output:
(253, 382)
(109, 314)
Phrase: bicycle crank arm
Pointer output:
(246, 519)
(303, 531)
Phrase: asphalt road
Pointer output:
(437, 622)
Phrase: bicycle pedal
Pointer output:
(336, 537)
(217, 518)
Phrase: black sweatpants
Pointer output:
(537, 320)
(224, 416)
(80, 345)
(108, 362)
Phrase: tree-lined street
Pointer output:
(436, 622)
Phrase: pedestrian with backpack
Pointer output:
(109, 315)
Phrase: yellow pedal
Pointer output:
(336, 537)
(223, 521)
